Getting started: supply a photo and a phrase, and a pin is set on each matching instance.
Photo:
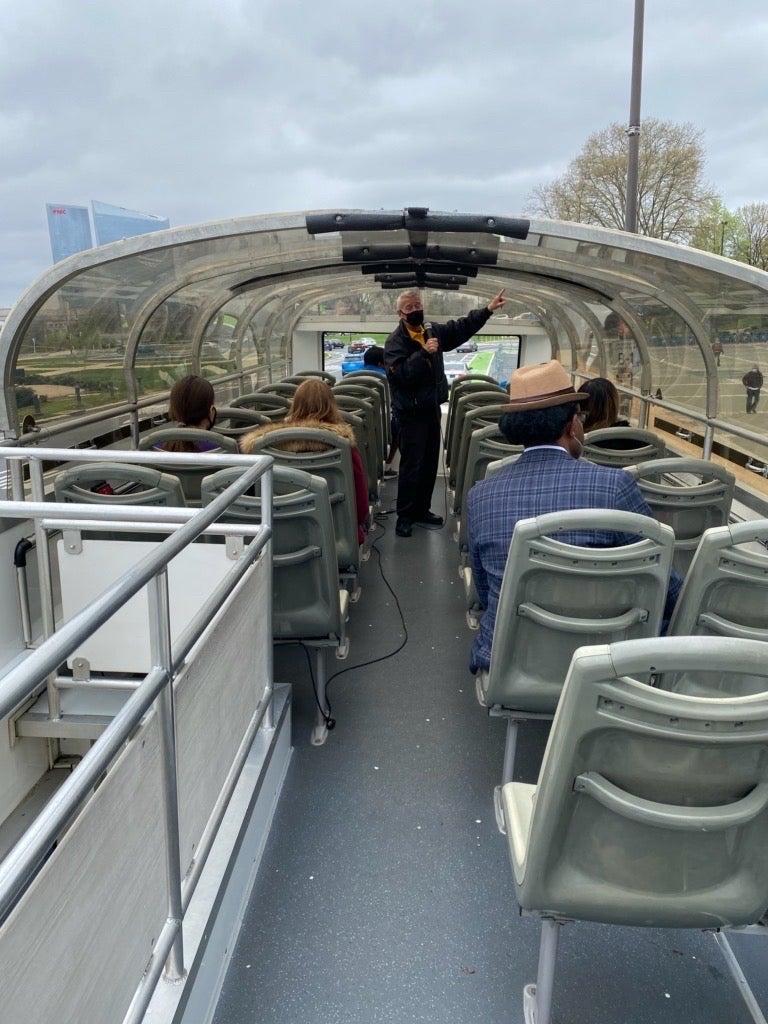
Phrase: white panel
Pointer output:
(122, 644)
(75, 947)
(216, 697)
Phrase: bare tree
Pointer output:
(672, 193)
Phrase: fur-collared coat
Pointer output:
(300, 445)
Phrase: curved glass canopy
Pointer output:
(110, 325)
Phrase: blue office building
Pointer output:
(113, 223)
(69, 228)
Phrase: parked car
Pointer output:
(468, 346)
(454, 369)
(332, 343)
(352, 361)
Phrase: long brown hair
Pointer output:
(603, 406)
(313, 399)
(189, 404)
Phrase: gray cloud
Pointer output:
(197, 111)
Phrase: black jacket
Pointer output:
(416, 378)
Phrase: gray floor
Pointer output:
(385, 893)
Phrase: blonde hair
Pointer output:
(314, 400)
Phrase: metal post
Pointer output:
(633, 130)
(267, 514)
(160, 640)
(45, 581)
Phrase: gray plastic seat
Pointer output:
(274, 406)
(334, 465)
(370, 384)
(124, 485)
(622, 446)
(556, 597)
(367, 439)
(301, 375)
(473, 410)
(651, 808)
(279, 387)
(486, 445)
(460, 389)
(237, 422)
(691, 495)
(190, 476)
(307, 604)
(725, 592)
(471, 598)
(374, 396)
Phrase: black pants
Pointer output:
(419, 457)
(753, 397)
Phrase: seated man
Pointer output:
(544, 415)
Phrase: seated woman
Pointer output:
(603, 405)
(603, 412)
(191, 405)
(314, 406)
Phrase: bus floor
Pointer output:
(385, 892)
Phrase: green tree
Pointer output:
(752, 247)
(718, 231)
(672, 194)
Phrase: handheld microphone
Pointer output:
(429, 331)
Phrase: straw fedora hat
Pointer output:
(541, 386)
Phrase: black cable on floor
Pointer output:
(363, 664)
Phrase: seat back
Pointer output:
(366, 437)
(556, 597)
(274, 406)
(725, 592)
(305, 591)
(460, 388)
(622, 446)
(475, 416)
(651, 807)
(691, 495)
(375, 396)
(333, 464)
(486, 445)
(190, 476)
(120, 484)
(378, 383)
(237, 422)
(302, 375)
(279, 387)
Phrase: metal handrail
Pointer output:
(21, 864)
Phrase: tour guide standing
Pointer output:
(413, 355)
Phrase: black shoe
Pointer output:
(430, 519)
(403, 528)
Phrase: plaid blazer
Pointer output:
(544, 479)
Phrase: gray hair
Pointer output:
(411, 293)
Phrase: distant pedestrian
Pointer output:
(753, 382)
(717, 349)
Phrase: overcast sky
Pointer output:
(200, 110)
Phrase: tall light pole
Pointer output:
(633, 129)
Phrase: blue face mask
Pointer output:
(415, 318)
